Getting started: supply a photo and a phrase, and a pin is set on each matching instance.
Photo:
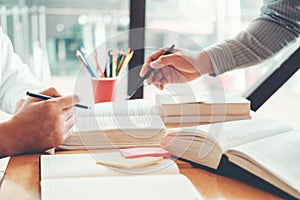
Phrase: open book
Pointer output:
(267, 148)
(77, 176)
(117, 124)
(129, 123)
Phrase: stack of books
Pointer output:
(183, 108)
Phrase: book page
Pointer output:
(87, 124)
(233, 133)
(205, 144)
(174, 187)
(275, 159)
(84, 165)
(135, 107)
(115, 132)
(240, 132)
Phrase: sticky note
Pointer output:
(115, 159)
(145, 151)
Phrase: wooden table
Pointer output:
(22, 181)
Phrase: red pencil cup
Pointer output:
(104, 89)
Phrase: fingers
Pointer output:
(167, 60)
(70, 123)
(66, 102)
(161, 62)
(68, 112)
(164, 75)
(158, 76)
(153, 57)
(65, 128)
(157, 61)
(62, 102)
(52, 92)
(68, 126)
(159, 86)
(65, 131)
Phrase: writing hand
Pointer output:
(39, 125)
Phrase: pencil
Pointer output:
(45, 97)
(133, 91)
(81, 57)
(99, 71)
(126, 60)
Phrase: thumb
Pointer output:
(166, 60)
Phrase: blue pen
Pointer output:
(87, 63)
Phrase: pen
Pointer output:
(110, 63)
(45, 97)
(84, 61)
(133, 91)
(99, 70)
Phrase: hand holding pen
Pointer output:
(179, 67)
(147, 72)
(41, 125)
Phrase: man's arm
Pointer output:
(277, 26)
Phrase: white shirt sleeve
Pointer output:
(15, 78)
(277, 26)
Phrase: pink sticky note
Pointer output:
(144, 151)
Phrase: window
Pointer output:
(197, 24)
(47, 33)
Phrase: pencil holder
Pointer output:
(103, 89)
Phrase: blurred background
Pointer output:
(47, 33)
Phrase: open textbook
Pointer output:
(77, 176)
(117, 124)
(129, 123)
(265, 147)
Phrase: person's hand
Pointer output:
(39, 125)
(179, 67)
(19, 104)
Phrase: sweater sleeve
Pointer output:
(276, 27)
